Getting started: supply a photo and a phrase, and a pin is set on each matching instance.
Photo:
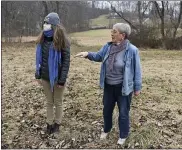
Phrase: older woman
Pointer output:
(120, 77)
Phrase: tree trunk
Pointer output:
(46, 11)
(161, 15)
(179, 21)
(121, 16)
(140, 18)
(57, 7)
(93, 4)
(5, 21)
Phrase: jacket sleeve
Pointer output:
(137, 72)
(64, 68)
(96, 56)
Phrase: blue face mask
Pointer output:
(49, 33)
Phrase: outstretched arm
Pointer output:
(93, 56)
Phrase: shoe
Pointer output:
(103, 135)
(121, 141)
(49, 129)
(56, 127)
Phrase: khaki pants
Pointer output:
(54, 98)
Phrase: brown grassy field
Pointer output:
(156, 115)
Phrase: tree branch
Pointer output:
(145, 8)
(158, 9)
(180, 14)
(121, 16)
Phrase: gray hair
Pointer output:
(123, 28)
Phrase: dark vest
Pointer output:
(45, 55)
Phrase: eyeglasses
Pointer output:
(113, 31)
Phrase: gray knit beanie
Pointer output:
(52, 18)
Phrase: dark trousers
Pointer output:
(112, 94)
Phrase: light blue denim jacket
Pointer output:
(132, 80)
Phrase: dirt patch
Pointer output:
(156, 115)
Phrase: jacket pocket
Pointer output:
(130, 84)
(128, 62)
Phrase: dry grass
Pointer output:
(100, 21)
(22, 39)
(103, 21)
(156, 115)
(92, 37)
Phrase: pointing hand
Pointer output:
(82, 54)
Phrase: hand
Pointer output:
(39, 81)
(136, 93)
(59, 86)
(82, 54)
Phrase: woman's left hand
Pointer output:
(136, 93)
(59, 86)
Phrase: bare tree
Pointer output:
(161, 12)
(46, 11)
(25, 18)
(57, 6)
(121, 15)
(93, 4)
(142, 6)
(176, 17)
(164, 11)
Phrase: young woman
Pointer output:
(52, 66)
